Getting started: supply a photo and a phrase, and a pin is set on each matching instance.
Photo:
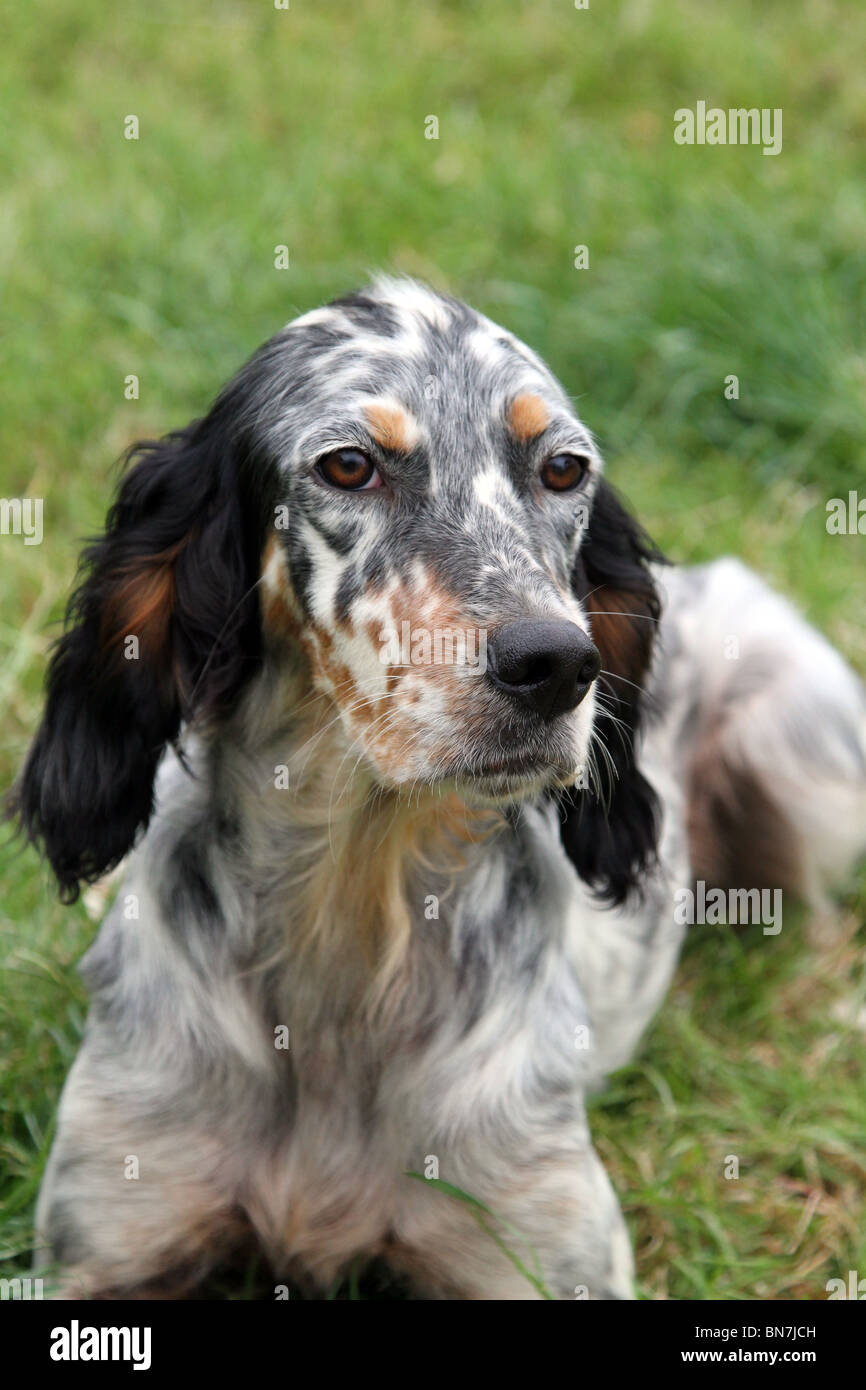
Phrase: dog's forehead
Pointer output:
(413, 365)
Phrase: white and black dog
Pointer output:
(377, 892)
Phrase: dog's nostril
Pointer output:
(548, 664)
(591, 667)
(531, 672)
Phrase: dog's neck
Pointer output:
(356, 868)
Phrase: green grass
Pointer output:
(306, 128)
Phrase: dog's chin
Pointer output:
(507, 782)
(502, 789)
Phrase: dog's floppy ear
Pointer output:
(610, 831)
(163, 625)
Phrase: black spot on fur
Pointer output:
(347, 591)
(186, 890)
(367, 313)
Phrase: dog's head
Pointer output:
(396, 496)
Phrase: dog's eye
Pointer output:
(349, 470)
(564, 472)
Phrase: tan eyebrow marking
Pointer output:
(392, 426)
(527, 416)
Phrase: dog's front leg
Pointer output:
(556, 1230)
(136, 1200)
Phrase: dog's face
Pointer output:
(434, 485)
(395, 497)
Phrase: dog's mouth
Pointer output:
(499, 759)
(509, 765)
(512, 778)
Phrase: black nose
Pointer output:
(547, 664)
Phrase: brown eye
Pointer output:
(564, 472)
(349, 470)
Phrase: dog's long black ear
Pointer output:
(163, 626)
(610, 830)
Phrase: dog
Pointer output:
(391, 911)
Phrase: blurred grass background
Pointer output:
(305, 127)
